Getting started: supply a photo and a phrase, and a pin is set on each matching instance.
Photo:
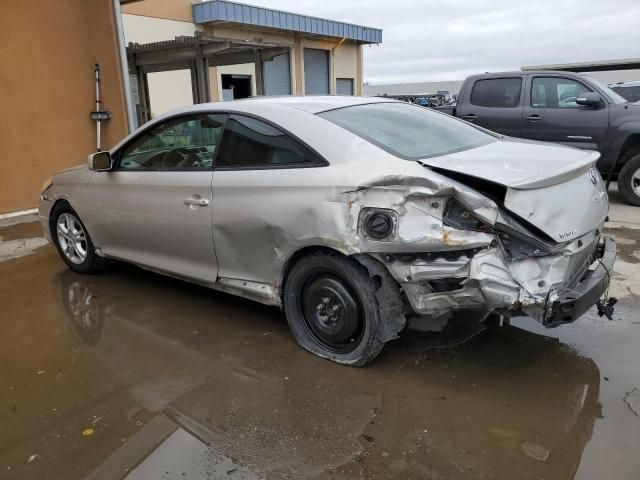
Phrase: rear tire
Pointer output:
(331, 307)
(72, 240)
(629, 181)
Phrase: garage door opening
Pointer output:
(316, 72)
(344, 86)
(235, 86)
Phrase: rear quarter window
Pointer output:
(408, 131)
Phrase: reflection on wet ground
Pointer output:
(130, 374)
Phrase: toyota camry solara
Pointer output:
(359, 217)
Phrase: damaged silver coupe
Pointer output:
(357, 216)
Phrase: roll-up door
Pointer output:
(316, 71)
(344, 86)
(277, 76)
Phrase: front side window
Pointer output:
(408, 131)
(555, 92)
(251, 143)
(497, 92)
(184, 143)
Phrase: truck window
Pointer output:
(555, 92)
(630, 94)
(497, 92)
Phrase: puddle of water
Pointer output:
(19, 240)
(184, 456)
(513, 402)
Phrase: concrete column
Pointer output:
(299, 65)
(359, 73)
(332, 73)
(259, 74)
(216, 95)
(292, 70)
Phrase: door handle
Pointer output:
(533, 118)
(471, 116)
(200, 202)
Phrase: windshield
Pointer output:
(615, 98)
(408, 131)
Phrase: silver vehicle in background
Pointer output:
(357, 216)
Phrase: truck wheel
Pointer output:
(331, 306)
(629, 181)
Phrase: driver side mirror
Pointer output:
(589, 99)
(100, 161)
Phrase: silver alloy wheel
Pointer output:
(83, 306)
(72, 238)
(635, 182)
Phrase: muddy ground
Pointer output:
(130, 374)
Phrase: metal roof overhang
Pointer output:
(593, 66)
(216, 11)
(196, 54)
(183, 51)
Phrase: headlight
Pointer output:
(47, 183)
(45, 187)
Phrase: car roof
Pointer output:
(321, 103)
(264, 107)
(311, 104)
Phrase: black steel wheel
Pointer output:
(332, 309)
(331, 312)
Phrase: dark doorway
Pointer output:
(236, 86)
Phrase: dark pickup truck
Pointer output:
(561, 107)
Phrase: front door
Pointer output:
(261, 173)
(551, 114)
(154, 207)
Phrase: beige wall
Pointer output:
(47, 91)
(167, 90)
(140, 29)
(155, 20)
(344, 62)
(170, 9)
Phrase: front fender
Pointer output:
(619, 139)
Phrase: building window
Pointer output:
(235, 86)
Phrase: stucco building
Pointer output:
(299, 54)
(154, 55)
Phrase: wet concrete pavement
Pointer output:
(131, 374)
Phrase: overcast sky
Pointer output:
(427, 40)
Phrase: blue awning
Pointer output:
(220, 10)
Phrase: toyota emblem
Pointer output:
(593, 175)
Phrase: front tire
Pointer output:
(73, 242)
(629, 181)
(331, 307)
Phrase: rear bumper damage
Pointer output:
(573, 303)
(553, 289)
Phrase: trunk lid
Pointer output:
(552, 187)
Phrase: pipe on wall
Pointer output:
(124, 66)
